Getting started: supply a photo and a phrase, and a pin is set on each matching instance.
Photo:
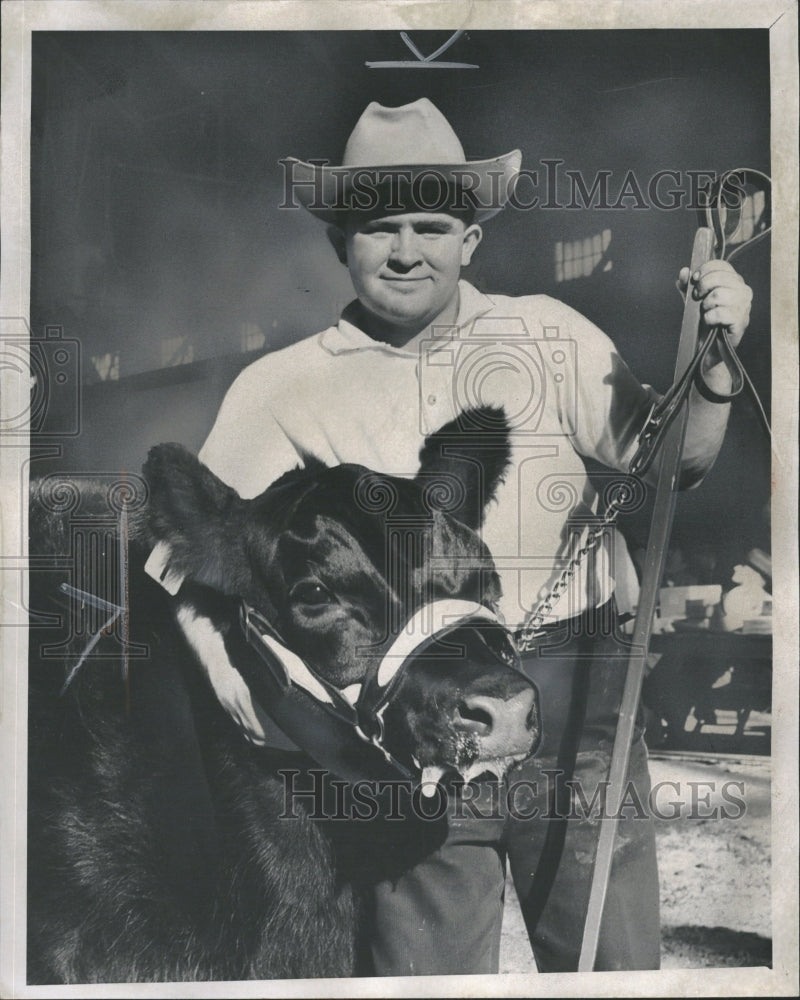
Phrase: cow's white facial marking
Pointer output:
(157, 566)
(231, 689)
(229, 686)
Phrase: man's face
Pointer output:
(405, 267)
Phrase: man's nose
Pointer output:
(405, 249)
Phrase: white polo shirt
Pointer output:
(344, 397)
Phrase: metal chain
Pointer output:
(533, 627)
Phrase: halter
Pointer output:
(342, 730)
(323, 720)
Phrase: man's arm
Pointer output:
(724, 301)
(610, 403)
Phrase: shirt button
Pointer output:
(431, 399)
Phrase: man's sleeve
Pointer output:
(602, 406)
(247, 447)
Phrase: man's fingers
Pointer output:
(706, 277)
(713, 274)
(739, 297)
(725, 297)
(729, 308)
(732, 319)
(704, 286)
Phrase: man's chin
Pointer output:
(406, 311)
(398, 317)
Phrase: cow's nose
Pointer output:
(506, 727)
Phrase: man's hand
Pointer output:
(725, 298)
(724, 301)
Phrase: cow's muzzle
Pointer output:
(445, 630)
(450, 630)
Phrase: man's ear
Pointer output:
(472, 236)
(193, 512)
(471, 455)
(338, 241)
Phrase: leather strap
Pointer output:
(663, 511)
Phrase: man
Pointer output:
(415, 349)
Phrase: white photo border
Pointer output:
(19, 19)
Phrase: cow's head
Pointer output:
(339, 561)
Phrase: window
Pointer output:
(176, 351)
(107, 366)
(251, 336)
(751, 220)
(582, 258)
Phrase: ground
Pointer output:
(714, 870)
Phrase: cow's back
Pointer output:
(156, 847)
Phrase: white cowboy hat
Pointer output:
(406, 148)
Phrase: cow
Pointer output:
(191, 815)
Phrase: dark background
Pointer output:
(157, 241)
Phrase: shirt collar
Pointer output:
(345, 337)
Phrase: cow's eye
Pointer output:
(311, 592)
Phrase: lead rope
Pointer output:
(724, 214)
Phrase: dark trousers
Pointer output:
(444, 915)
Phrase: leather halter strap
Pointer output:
(317, 717)
(319, 720)
(430, 626)
(294, 679)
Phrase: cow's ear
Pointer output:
(193, 512)
(309, 466)
(470, 456)
(310, 461)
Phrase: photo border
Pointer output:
(19, 19)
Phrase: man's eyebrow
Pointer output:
(420, 225)
(374, 225)
(435, 225)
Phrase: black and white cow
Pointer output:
(162, 845)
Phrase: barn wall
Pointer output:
(158, 244)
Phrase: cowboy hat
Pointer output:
(412, 153)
